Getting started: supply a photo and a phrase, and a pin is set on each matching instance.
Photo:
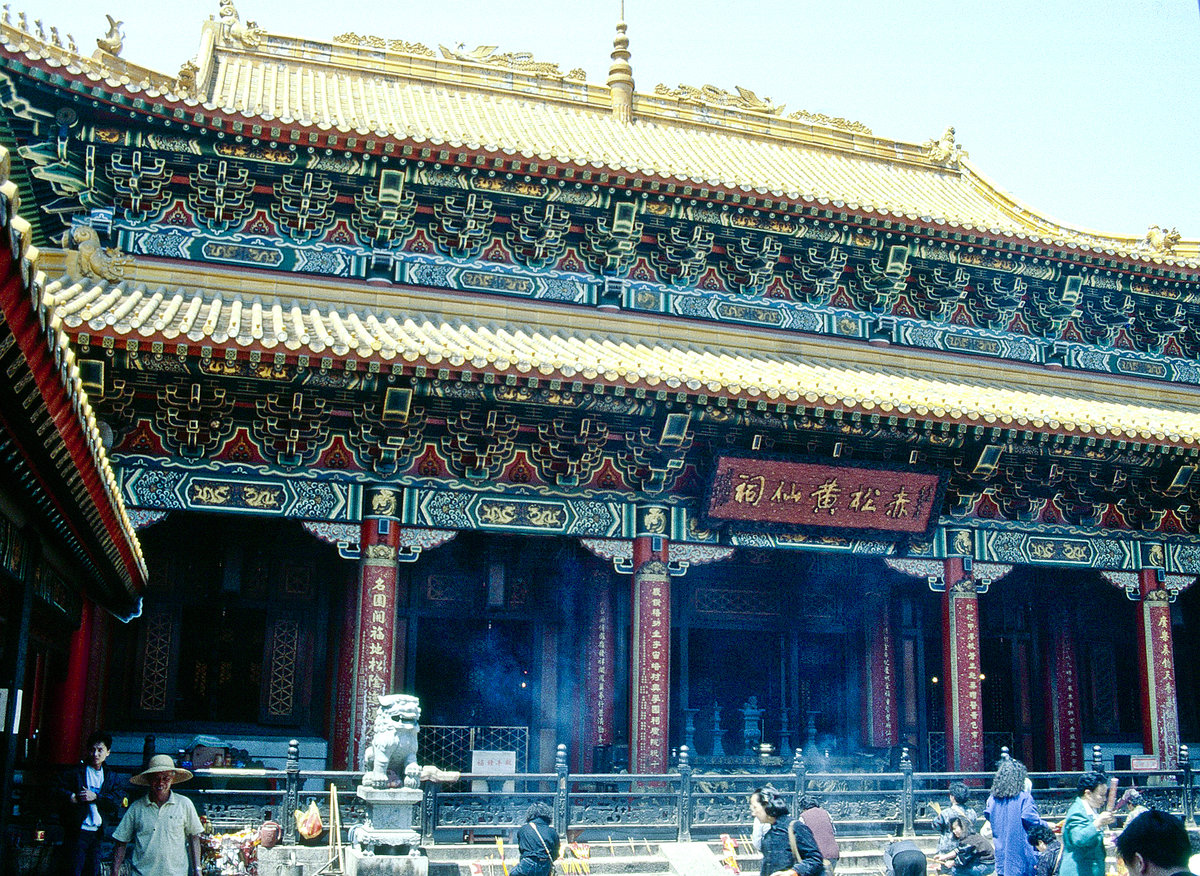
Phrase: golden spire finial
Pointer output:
(620, 74)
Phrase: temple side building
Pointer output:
(623, 418)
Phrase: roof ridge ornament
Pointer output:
(250, 35)
(944, 150)
(112, 41)
(92, 259)
(620, 74)
(490, 55)
(1159, 241)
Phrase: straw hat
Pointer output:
(161, 763)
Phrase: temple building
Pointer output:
(589, 413)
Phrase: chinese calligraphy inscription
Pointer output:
(800, 494)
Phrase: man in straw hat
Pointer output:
(163, 827)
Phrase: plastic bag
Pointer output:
(308, 822)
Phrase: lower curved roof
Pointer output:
(416, 330)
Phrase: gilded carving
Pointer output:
(185, 82)
(379, 552)
(1160, 241)
(489, 55)
(262, 497)
(654, 520)
(498, 515)
(206, 495)
(965, 587)
(944, 150)
(384, 503)
(744, 98)
(112, 41)
(93, 259)
(962, 543)
(378, 42)
(545, 516)
(839, 122)
(249, 34)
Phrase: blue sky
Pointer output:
(1087, 111)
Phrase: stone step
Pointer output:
(859, 855)
(455, 860)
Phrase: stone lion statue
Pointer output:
(393, 745)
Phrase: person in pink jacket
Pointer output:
(821, 824)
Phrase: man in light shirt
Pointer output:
(163, 826)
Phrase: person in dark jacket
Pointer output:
(537, 842)
(960, 807)
(904, 858)
(89, 796)
(768, 806)
(1049, 850)
(972, 855)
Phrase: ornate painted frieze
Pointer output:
(235, 489)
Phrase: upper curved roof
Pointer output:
(699, 138)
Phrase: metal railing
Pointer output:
(680, 805)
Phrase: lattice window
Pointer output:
(160, 630)
(725, 601)
(449, 747)
(935, 755)
(281, 684)
(1104, 691)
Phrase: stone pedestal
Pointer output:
(367, 864)
(388, 831)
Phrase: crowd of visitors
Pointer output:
(159, 831)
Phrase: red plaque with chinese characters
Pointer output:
(789, 494)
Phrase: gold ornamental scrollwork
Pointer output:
(370, 41)
(522, 61)
(379, 552)
(744, 98)
(965, 586)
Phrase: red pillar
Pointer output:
(960, 643)
(67, 712)
(650, 645)
(375, 632)
(1063, 720)
(1156, 665)
(597, 712)
(343, 705)
(879, 676)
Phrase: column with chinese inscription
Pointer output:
(960, 643)
(880, 717)
(375, 631)
(1063, 721)
(597, 711)
(1156, 670)
(650, 642)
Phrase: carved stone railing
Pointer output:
(682, 804)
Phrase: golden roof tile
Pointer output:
(773, 368)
